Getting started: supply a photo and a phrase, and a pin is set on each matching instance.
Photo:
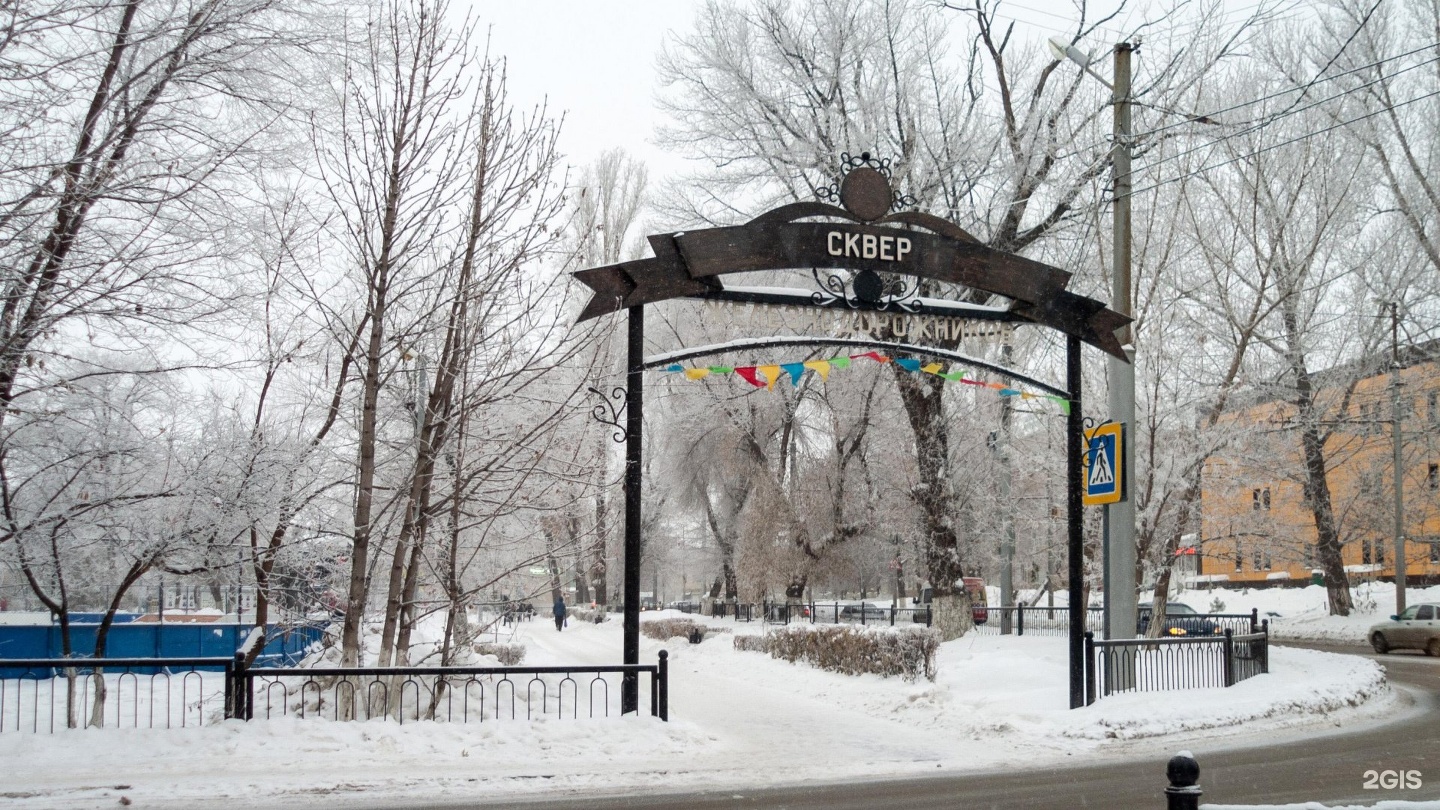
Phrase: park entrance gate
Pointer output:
(876, 247)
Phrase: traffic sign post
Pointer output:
(1104, 465)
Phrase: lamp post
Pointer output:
(1120, 580)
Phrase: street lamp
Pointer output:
(1120, 583)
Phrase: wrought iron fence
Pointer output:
(1163, 664)
(447, 694)
(55, 694)
(742, 612)
(1055, 621)
(844, 613)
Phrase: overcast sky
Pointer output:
(595, 59)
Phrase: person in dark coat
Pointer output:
(559, 613)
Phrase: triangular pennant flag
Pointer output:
(972, 382)
(876, 356)
(674, 367)
(696, 373)
(772, 374)
(838, 362)
(908, 363)
(996, 386)
(748, 372)
(722, 369)
(795, 370)
(1026, 395)
(954, 376)
(933, 368)
(1009, 392)
(1064, 403)
(821, 367)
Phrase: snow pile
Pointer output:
(1304, 614)
(995, 700)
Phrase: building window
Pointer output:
(1309, 555)
(1432, 476)
(1379, 552)
(1261, 559)
(1239, 556)
(1435, 550)
(1260, 499)
(1365, 552)
(1432, 406)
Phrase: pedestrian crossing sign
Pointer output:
(1104, 465)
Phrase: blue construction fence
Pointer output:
(284, 645)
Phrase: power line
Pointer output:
(1279, 93)
(1269, 120)
(1288, 142)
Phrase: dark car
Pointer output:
(1180, 620)
(863, 613)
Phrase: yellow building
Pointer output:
(1256, 526)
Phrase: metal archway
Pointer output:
(865, 238)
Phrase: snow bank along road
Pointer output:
(1328, 765)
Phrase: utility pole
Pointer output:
(1002, 452)
(1396, 442)
(1120, 563)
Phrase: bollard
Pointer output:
(1184, 775)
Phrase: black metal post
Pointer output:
(1254, 619)
(1019, 620)
(1228, 657)
(663, 687)
(230, 691)
(1265, 648)
(1089, 668)
(1183, 773)
(634, 409)
(1074, 429)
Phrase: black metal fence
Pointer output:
(843, 613)
(739, 611)
(1163, 664)
(1055, 621)
(447, 694)
(52, 694)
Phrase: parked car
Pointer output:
(1417, 628)
(684, 606)
(1180, 620)
(865, 613)
(974, 588)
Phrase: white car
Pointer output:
(1417, 628)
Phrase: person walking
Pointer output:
(559, 613)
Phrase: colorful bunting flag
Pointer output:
(748, 373)
(765, 376)
(822, 367)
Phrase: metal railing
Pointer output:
(1163, 664)
(449, 694)
(740, 611)
(54, 694)
(844, 613)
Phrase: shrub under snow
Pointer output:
(907, 651)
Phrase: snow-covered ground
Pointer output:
(736, 718)
(1303, 614)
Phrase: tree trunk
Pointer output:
(924, 408)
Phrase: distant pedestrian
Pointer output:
(559, 613)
